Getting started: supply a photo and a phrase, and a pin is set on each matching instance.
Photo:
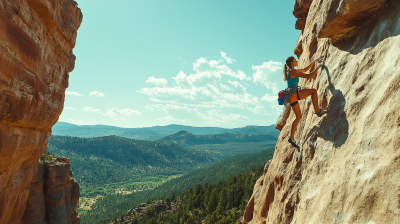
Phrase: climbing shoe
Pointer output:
(322, 112)
(293, 142)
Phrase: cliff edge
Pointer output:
(348, 168)
(36, 42)
(54, 194)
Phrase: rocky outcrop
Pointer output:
(300, 11)
(347, 170)
(36, 42)
(148, 210)
(54, 195)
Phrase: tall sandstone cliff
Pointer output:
(54, 195)
(36, 42)
(348, 167)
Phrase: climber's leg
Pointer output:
(297, 112)
(314, 97)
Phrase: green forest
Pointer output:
(112, 164)
(187, 138)
(223, 202)
(117, 173)
(102, 161)
(113, 205)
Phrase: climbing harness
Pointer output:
(285, 95)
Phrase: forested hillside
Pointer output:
(115, 204)
(97, 162)
(187, 138)
(219, 203)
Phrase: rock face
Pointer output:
(36, 42)
(348, 168)
(54, 195)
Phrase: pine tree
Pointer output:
(223, 201)
(213, 202)
(173, 197)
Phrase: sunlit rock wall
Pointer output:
(36, 42)
(348, 167)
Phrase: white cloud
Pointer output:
(222, 96)
(259, 110)
(210, 90)
(73, 93)
(116, 114)
(213, 68)
(228, 60)
(180, 79)
(129, 112)
(185, 114)
(216, 116)
(269, 74)
(111, 113)
(160, 81)
(269, 98)
(205, 88)
(278, 108)
(89, 109)
(69, 108)
(232, 87)
(240, 75)
(96, 94)
(178, 94)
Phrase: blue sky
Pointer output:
(198, 63)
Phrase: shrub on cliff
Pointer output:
(46, 156)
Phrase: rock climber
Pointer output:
(295, 93)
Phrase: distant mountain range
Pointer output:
(187, 138)
(152, 133)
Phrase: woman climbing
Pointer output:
(295, 93)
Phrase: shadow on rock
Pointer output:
(382, 26)
(334, 126)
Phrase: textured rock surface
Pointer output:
(348, 168)
(300, 11)
(36, 42)
(338, 17)
(54, 195)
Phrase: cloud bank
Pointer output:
(96, 94)
(73, 93)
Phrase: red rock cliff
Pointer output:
(348, 167)
(54, 195)
(36, 42)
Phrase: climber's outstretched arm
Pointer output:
(303, 75)
(309, 67)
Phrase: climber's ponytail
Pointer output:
(287, 67)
